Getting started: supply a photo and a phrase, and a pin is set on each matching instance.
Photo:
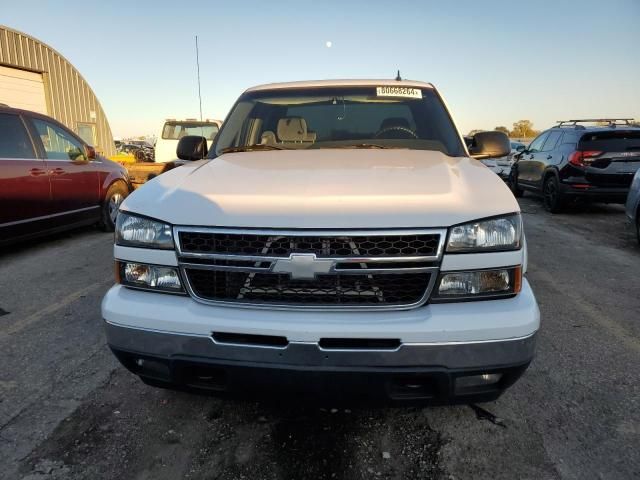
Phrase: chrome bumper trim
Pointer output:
(473, 354)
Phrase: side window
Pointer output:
(551, 142)
(14, 139)
(536, 145)
(569, 139)
(58, 144)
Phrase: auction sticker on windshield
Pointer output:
(398, 92)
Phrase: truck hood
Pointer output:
(328, 188)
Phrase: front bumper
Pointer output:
(169, 343)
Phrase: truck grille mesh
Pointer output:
(376, 289)
(322, 246)
(375, 269)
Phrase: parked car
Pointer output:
(139, 153)
(147, 151)
(503, 165)
(500, 166)
(632, 206)
(337, 242)
(173, 130)
(51, 180)
(517, 147)
(571, 161)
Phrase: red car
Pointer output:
(51, 180)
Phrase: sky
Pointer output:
(495, 62)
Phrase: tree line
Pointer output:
(521, 129)
(524, 129)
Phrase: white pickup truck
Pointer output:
(336, 242)
(173, 130)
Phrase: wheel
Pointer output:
(551, 195)
(512, 182)
(112, 200)
(638, 226)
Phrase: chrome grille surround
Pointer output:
(354, 264)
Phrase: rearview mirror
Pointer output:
(490, 145)
(192, 147)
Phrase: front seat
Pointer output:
(268, 138)
(294, 130)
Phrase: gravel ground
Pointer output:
(69, 411)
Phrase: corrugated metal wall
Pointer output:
(70, 100)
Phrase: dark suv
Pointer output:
(572, 160)
(51, 180)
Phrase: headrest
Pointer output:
(292, 129)
(394, 122)
(268, 138)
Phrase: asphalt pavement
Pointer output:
(69, 411)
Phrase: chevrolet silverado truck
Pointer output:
(337, 241)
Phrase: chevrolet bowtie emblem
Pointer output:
(302, 266)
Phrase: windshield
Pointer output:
(177, 130)
(611, 141)
(347, 117)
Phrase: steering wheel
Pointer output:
(403, 132)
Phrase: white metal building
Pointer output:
(33, 76)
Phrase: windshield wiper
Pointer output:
(251, 148)
(364, 145)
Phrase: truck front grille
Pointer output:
(336, 290)
(322, 246)
(392, 269)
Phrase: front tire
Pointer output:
(513, 185)
(551, 196)
(112, 200)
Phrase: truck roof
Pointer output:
(341, 83)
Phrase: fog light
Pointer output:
(146, 276)
(472, 381)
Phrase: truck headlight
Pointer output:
(478, 284)
(151, 277)
(494, 234)
(134, 231)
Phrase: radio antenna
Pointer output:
(199, 91)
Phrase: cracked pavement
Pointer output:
(69, 411)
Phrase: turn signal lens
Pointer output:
(146, 276)
(503, 282)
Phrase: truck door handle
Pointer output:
(57, 171)
(36, 172)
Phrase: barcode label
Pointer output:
(389, 91)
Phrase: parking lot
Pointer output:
(68, 410)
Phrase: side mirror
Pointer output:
(490, 145)
(192, 147)
(520, 148)
(91, 152)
